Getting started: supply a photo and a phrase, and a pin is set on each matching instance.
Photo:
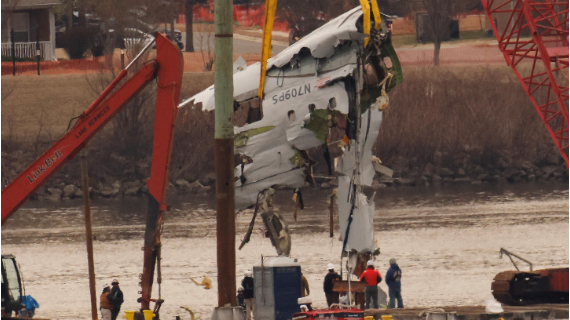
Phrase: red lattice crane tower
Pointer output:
(533, 36)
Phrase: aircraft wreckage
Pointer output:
(337, 76)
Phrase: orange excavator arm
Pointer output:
(167, 68)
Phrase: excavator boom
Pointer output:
(25, 184)
(167, 68)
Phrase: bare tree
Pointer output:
(304, 16)
(188, 6)
(41, 121)
(8, 117)
(8, 7)
(439, 16)
(130, 132)
(189, 11)
(206, 43)
(8, 88)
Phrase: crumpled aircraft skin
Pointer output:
(310, 87)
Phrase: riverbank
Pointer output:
(444, 126)
(429, 176)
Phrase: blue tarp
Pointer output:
(30, 303)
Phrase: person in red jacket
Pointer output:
(372, 278)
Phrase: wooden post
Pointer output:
(331, 215)
(13, 52)
(38, 51)
(88, 233)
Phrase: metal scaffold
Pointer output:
(533, 36)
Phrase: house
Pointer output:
(31, 20)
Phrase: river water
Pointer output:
(446, 240)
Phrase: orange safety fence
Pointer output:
(52, 67)
(197, 61)
(250, 15)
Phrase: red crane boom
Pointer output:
(533, 36)
(167, 68)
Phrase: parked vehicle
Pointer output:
(176, 37)
(12, 285)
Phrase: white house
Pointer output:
(31, 20)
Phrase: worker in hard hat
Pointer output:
(328, 284)
(372, 278)
(393, 277)
(247, 284)
(105, 305)
(116, 297)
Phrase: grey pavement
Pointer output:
(204, 41)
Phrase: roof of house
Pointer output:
(29, 4)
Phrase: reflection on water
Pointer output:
(445, 240)
(396, 208)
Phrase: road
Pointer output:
(242, 44)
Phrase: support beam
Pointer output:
(224, 154)
(88, 233)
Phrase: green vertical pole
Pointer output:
(224, 154)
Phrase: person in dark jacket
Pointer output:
(241, 298)
(393, 277)
(247, 284)
(372, 278)
(328, 284)
(116, 298)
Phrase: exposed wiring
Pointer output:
(69, 126)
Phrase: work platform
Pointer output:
(534, 312)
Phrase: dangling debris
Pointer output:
(336, 77)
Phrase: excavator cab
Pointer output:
(12, 285)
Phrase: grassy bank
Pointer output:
(461, 118)
(478, 111)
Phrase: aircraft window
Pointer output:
(332, 103)
(247, 112)
(291, 115)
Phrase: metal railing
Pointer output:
(28, 49)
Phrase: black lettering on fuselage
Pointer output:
(292, 93)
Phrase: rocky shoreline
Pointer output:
(428, 175)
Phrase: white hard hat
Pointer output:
(105, 286)
(370, 263)
(330, 266)
(248, 273)
(240, 289)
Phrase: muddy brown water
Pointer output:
(446, 241)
